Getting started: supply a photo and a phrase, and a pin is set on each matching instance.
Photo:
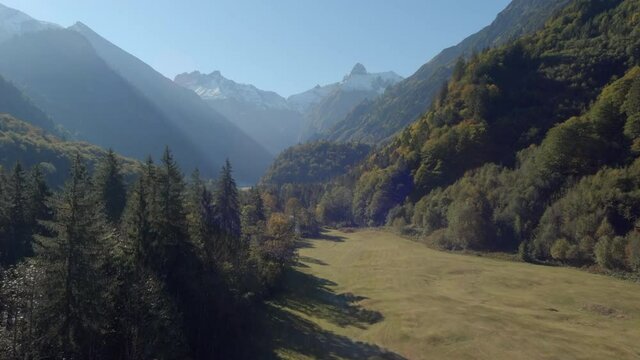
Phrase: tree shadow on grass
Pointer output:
(307, 259)
(307, 294)
(291, 333)
(323, 236)
(312, 296)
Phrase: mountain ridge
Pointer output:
(210, 132)
(404, 102)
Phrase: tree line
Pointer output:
(160, 268)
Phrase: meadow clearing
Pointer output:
(371, 294)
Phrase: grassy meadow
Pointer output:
(374, 295)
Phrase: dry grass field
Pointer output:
(373, 295)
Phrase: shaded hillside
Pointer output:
(210, 133)
(23, 142)
(64, 76)
(14, 102)
(403, 103)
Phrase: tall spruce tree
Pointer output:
(227, 213)
(39, 195)
(148, 325)
(200, 214)
(4, 219)
(168, 216)
(72, 319)
(256, 200)
(110, 186)
(17, 242)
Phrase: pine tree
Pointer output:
(227, 213)
(73, 259)
(168, 215)
(17, 243)
(39, 195)
(110, 187)
(201, 214)
(147, 325)
(256, 200)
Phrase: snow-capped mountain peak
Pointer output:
(361, 80)
(14, 22)
(214, 86)
(357, 80)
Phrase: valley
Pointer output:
(484, 204)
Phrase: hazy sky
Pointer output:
(283, 45)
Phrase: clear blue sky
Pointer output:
(282, 45)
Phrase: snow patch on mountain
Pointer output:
(357, 80)
(214, 86)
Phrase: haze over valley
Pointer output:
(320, 180)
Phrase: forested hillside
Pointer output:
(499, 161)
(404, 102)
(314, 162)
(32, 146)
(523, 141)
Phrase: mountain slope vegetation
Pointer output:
(483, 169)
(379, 119)
(314, 162)
(30, 145)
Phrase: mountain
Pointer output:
(376, 120)
(210, 133)
(14, 102)
(61, 72)
(14, 22)
(263, 115)
(324, 106)
(277, 122)
(517, 126)
(31, 145)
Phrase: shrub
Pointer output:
(560, 249)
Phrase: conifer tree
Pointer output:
(4, 220)
(39, 195)
(168, 216)
(147, 325)
(201, 214)
(256, 200)
(110, 187)
(227, 213)
(17, 243)
(72, 320)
